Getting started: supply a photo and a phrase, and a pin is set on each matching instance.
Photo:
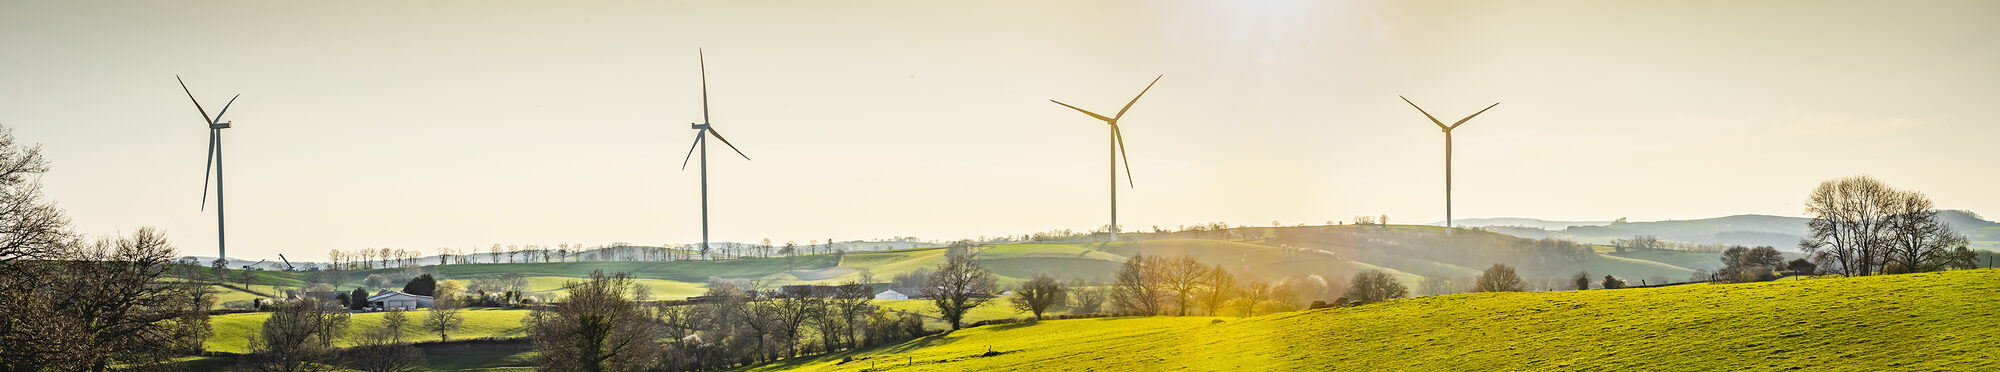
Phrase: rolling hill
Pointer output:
(1747, 230)
(1314, 254)
(1929, 321)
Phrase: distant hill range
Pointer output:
(1749, 230)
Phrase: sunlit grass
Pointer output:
(232, 331)
(1926, 321)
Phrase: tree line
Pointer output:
(1862, 226)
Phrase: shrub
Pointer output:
(1613, 282)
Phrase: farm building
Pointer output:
(893, 294)
(387, 299)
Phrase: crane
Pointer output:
(288, 263)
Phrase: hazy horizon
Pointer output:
(416, 126)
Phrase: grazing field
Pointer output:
(232, 331)
(1929, 321)
(998, 308)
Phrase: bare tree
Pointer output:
(1917, 240)
(1182, 276)
(1253, 295)
(1375, 285)
(444, 315)
(33, 228)
(86, 306)
(1220, 288)
(850, 302)
(1499, 278)
(1135, 289)
(1849, 216)
(790, 313)
(1085, 298)
(1038, 294)
(957, 286)
(595, 328)
(299, 336)
(1438, 284)
(383, 349)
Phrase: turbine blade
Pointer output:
(1426, 113)
(197, 104)
(208, 168)
(225, 108)
(697, 143)
(1135, 99)
(725, 141)
(704, 84)
(1481, 111)
(1120, 135)
(1085, 112)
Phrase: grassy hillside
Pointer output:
(232, 331)
(1929, 321)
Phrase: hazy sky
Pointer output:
(430, 124)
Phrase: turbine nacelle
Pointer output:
(221, 125)
(698, 126)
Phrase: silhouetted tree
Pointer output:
(88, 306)
(1582, 280)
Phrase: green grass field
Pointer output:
(232, 331)
(1014, 263)
(998, 308)
(1930, 321)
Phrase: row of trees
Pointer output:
(600, 326)
(370, 258)
(1861, 226)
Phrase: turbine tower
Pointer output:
(702, 131)
(213, 166)
(1447, 153)
(1117, 150)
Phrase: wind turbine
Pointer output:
(702, 130)
(1447, 153)
(213, 165)
(1117, 149)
